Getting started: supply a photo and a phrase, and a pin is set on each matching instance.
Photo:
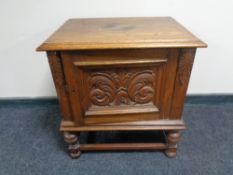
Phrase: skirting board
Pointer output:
(190, 99)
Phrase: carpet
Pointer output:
(30, 143)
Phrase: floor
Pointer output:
(31, 144)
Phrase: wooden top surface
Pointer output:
(115, 33)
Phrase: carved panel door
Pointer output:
(119, 86)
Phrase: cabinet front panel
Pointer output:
(120, 85)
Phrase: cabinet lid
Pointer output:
(117, 33)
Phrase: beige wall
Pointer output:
(25, 24)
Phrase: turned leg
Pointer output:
(173, 138)
(73, 142)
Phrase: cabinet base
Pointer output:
(151, 125)
(172, 137)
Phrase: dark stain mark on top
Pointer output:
(119, 27)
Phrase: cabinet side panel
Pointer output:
(185, 63)
(56, 68)
(169, 80)
(73, 87)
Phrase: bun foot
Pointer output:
(73, 144)
(170, 153)
(74, 151)
(173, 137)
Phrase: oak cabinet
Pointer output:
(121, 74)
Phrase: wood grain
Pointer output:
(126, 126)
(56, 68)
(116, 63)
(118, 33)
(117, 91)
(121, 74)
(123, 146)
(185, 63)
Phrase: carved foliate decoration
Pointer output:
(56, 68)
(185, 67)
(121, 87)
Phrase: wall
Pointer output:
(26, 23)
